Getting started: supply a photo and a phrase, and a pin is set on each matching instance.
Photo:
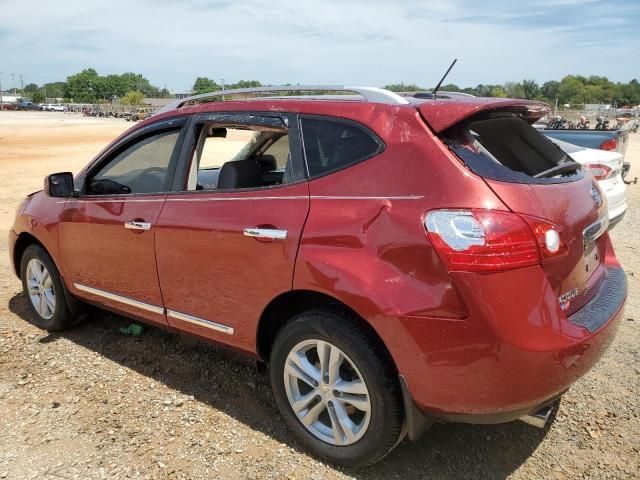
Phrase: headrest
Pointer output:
(240, 174)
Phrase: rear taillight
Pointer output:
(599, 172)
(550, 238)
(610, 144)
(491, 240)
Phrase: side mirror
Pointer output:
(59, 185)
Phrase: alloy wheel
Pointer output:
(327, 392)
(40, 286)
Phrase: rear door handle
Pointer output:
(270, 233)
(137, 225)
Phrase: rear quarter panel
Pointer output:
(364, 241)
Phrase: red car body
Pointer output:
(478, 346)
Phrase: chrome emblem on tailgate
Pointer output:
(565, 299)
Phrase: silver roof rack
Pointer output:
(370, 94)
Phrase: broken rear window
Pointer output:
(505, 147)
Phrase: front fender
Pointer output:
(40, 219)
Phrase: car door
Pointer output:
(107, 233)
(226, 240)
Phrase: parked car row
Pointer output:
(394, 261)
(49, 107)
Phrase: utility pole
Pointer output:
(21, 86)
(222, 88)
(13, 82)
(1, 106)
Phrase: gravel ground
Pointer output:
(94, 403)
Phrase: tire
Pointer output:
(53, 312)
(376, 431)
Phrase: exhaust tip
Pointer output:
(540, 418)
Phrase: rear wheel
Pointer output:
(337, 392)
(44, 290)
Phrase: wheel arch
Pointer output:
(289, 304)
(24, 240)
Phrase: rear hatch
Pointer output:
(534, 178)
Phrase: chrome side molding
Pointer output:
(119, 298)
(270, 233)
(155, 309)
(200, 321)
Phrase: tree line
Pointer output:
(88, 86)
(572, 89)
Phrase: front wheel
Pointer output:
(44, 290)
(337, 391)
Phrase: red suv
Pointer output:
(395, 261)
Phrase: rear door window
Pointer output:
(505, 147)
(332, 144)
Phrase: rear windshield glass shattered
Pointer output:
(505, 147)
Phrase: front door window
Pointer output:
(140, 168)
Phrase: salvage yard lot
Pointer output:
(93, 403)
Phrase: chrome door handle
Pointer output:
(270, 233)
(135, 225)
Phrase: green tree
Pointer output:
(204, 85)
(497, 91)
(450, 87)
(245, 84)
(37, 96)
(133, 98)
(531, 89)
(514, 90)
(30, 88)
(80, 87)
(571, 89)
(135, 81)
(549, 91)
(54, 89)
(402, 87)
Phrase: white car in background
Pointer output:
(56, 107)
(606, 168)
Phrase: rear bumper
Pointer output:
(617, 218)
(517, 352)
(616, 193)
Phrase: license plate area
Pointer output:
(592, 258)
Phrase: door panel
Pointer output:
(213, 271)
(107, 234)
(107, 260)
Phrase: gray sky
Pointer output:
(324, 42)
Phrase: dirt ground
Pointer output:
(94, 403)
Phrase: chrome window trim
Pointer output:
(200, 321)
(119, 298)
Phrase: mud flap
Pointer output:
(415, 421)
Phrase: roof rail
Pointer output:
(370, 94)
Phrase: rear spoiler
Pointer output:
(442, 114)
